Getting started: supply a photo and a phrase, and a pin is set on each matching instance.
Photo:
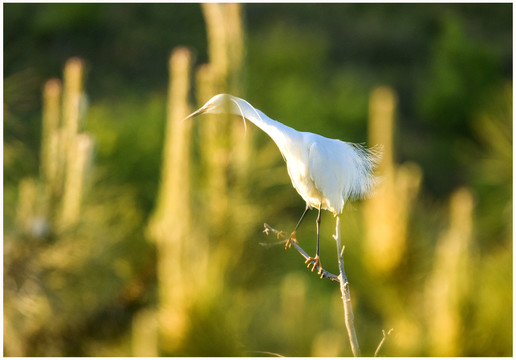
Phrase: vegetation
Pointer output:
(128, 232)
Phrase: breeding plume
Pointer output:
(325, 172)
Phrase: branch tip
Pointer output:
(342, 251)
(382, 341)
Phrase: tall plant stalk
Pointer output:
(170, 222)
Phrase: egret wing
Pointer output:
(324, 168)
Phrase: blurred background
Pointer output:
(128, 232)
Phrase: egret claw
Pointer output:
(291, 238)
(314, 262)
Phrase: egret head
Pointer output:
(218, 104)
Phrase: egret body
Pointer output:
(325, 172)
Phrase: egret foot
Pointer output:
(291, 238)
(314, 262)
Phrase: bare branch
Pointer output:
(279, 234)
(346, 295)
(382, 341)
(341, 278)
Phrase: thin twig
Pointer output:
(266, 353)
(272, 244)
(324, 274)
(382, 341)
(346, 295)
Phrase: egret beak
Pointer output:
(201, 111)
(195, 113)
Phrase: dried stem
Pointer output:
(385, 334)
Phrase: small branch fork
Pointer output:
(385, 334)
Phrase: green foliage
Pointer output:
(131, 132)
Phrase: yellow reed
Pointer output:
(387, 213)
(170, 224)
(447, 287)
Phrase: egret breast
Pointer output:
(304, 185)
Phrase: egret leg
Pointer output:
(292, 236)
(316, 261)
(318, 222)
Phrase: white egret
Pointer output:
(325, 172)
